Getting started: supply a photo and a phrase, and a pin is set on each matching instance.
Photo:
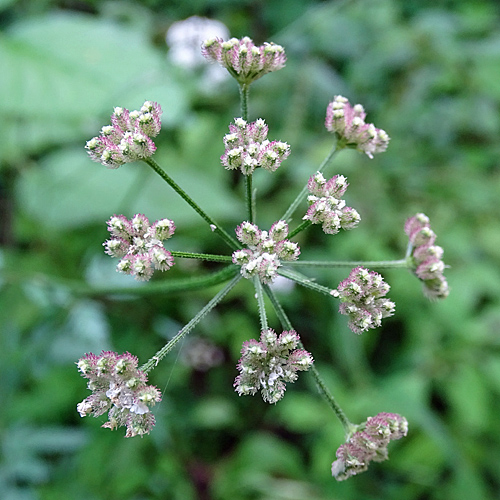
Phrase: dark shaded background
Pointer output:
(427, 72)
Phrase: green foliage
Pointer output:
(426, 72)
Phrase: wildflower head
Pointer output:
(247, 147)
(362, 297)
(138, 245)
(265, 250)
(327, 206)
(267, 365)
(119, 388)
(348, 123)
(128, 138)
(245, 61)
(368, 443)
(426, 257)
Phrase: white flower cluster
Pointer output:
(264, 251)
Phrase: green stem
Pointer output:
(291, 209)
(300, 228)
(249, 197)
(306, 282)
(379, 264)
(260, 300)
(203, 256)
(186, 329)
(216, 228)
(244, 93)
(285, 322)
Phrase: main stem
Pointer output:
(215, 227)
(186, 329)
(346, 424)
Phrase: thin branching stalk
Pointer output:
(323, 389)
(260, 301)
(305, 281)
(378, 264)
(202, 256)
(249, 197)
(213, 225)
(244, 93)
(301, 227)
(187, 328)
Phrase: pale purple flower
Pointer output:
(368, 443)
(267, 365)
(245, 61)
(426, 257)
(362, 297)
(128, 138)
(120, 388)
(327, 206)
(247, 147)
(265, 250)
(348, 123)
(138, 245)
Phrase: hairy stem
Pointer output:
(215, 227)
(299, 228)
(306, 282)
(323, 389)
(249, 197)
(187, 328)
(244, 93)
(202, 256)
(379, 264)
(260, 300)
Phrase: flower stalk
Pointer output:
(151, 363)
(323, 389)
(202, 256)
(377, 264)
(231, 242)
(260, 301)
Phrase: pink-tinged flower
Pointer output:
(138, 245)
(368, 443)
(426, 257)
(362, 297)
(327, 206)
(267, 365)
(265, 250)
(247, 147)
(128, 138)
(348, 123)
(119, 388)
(245, 61)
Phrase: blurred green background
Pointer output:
(428, 72)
